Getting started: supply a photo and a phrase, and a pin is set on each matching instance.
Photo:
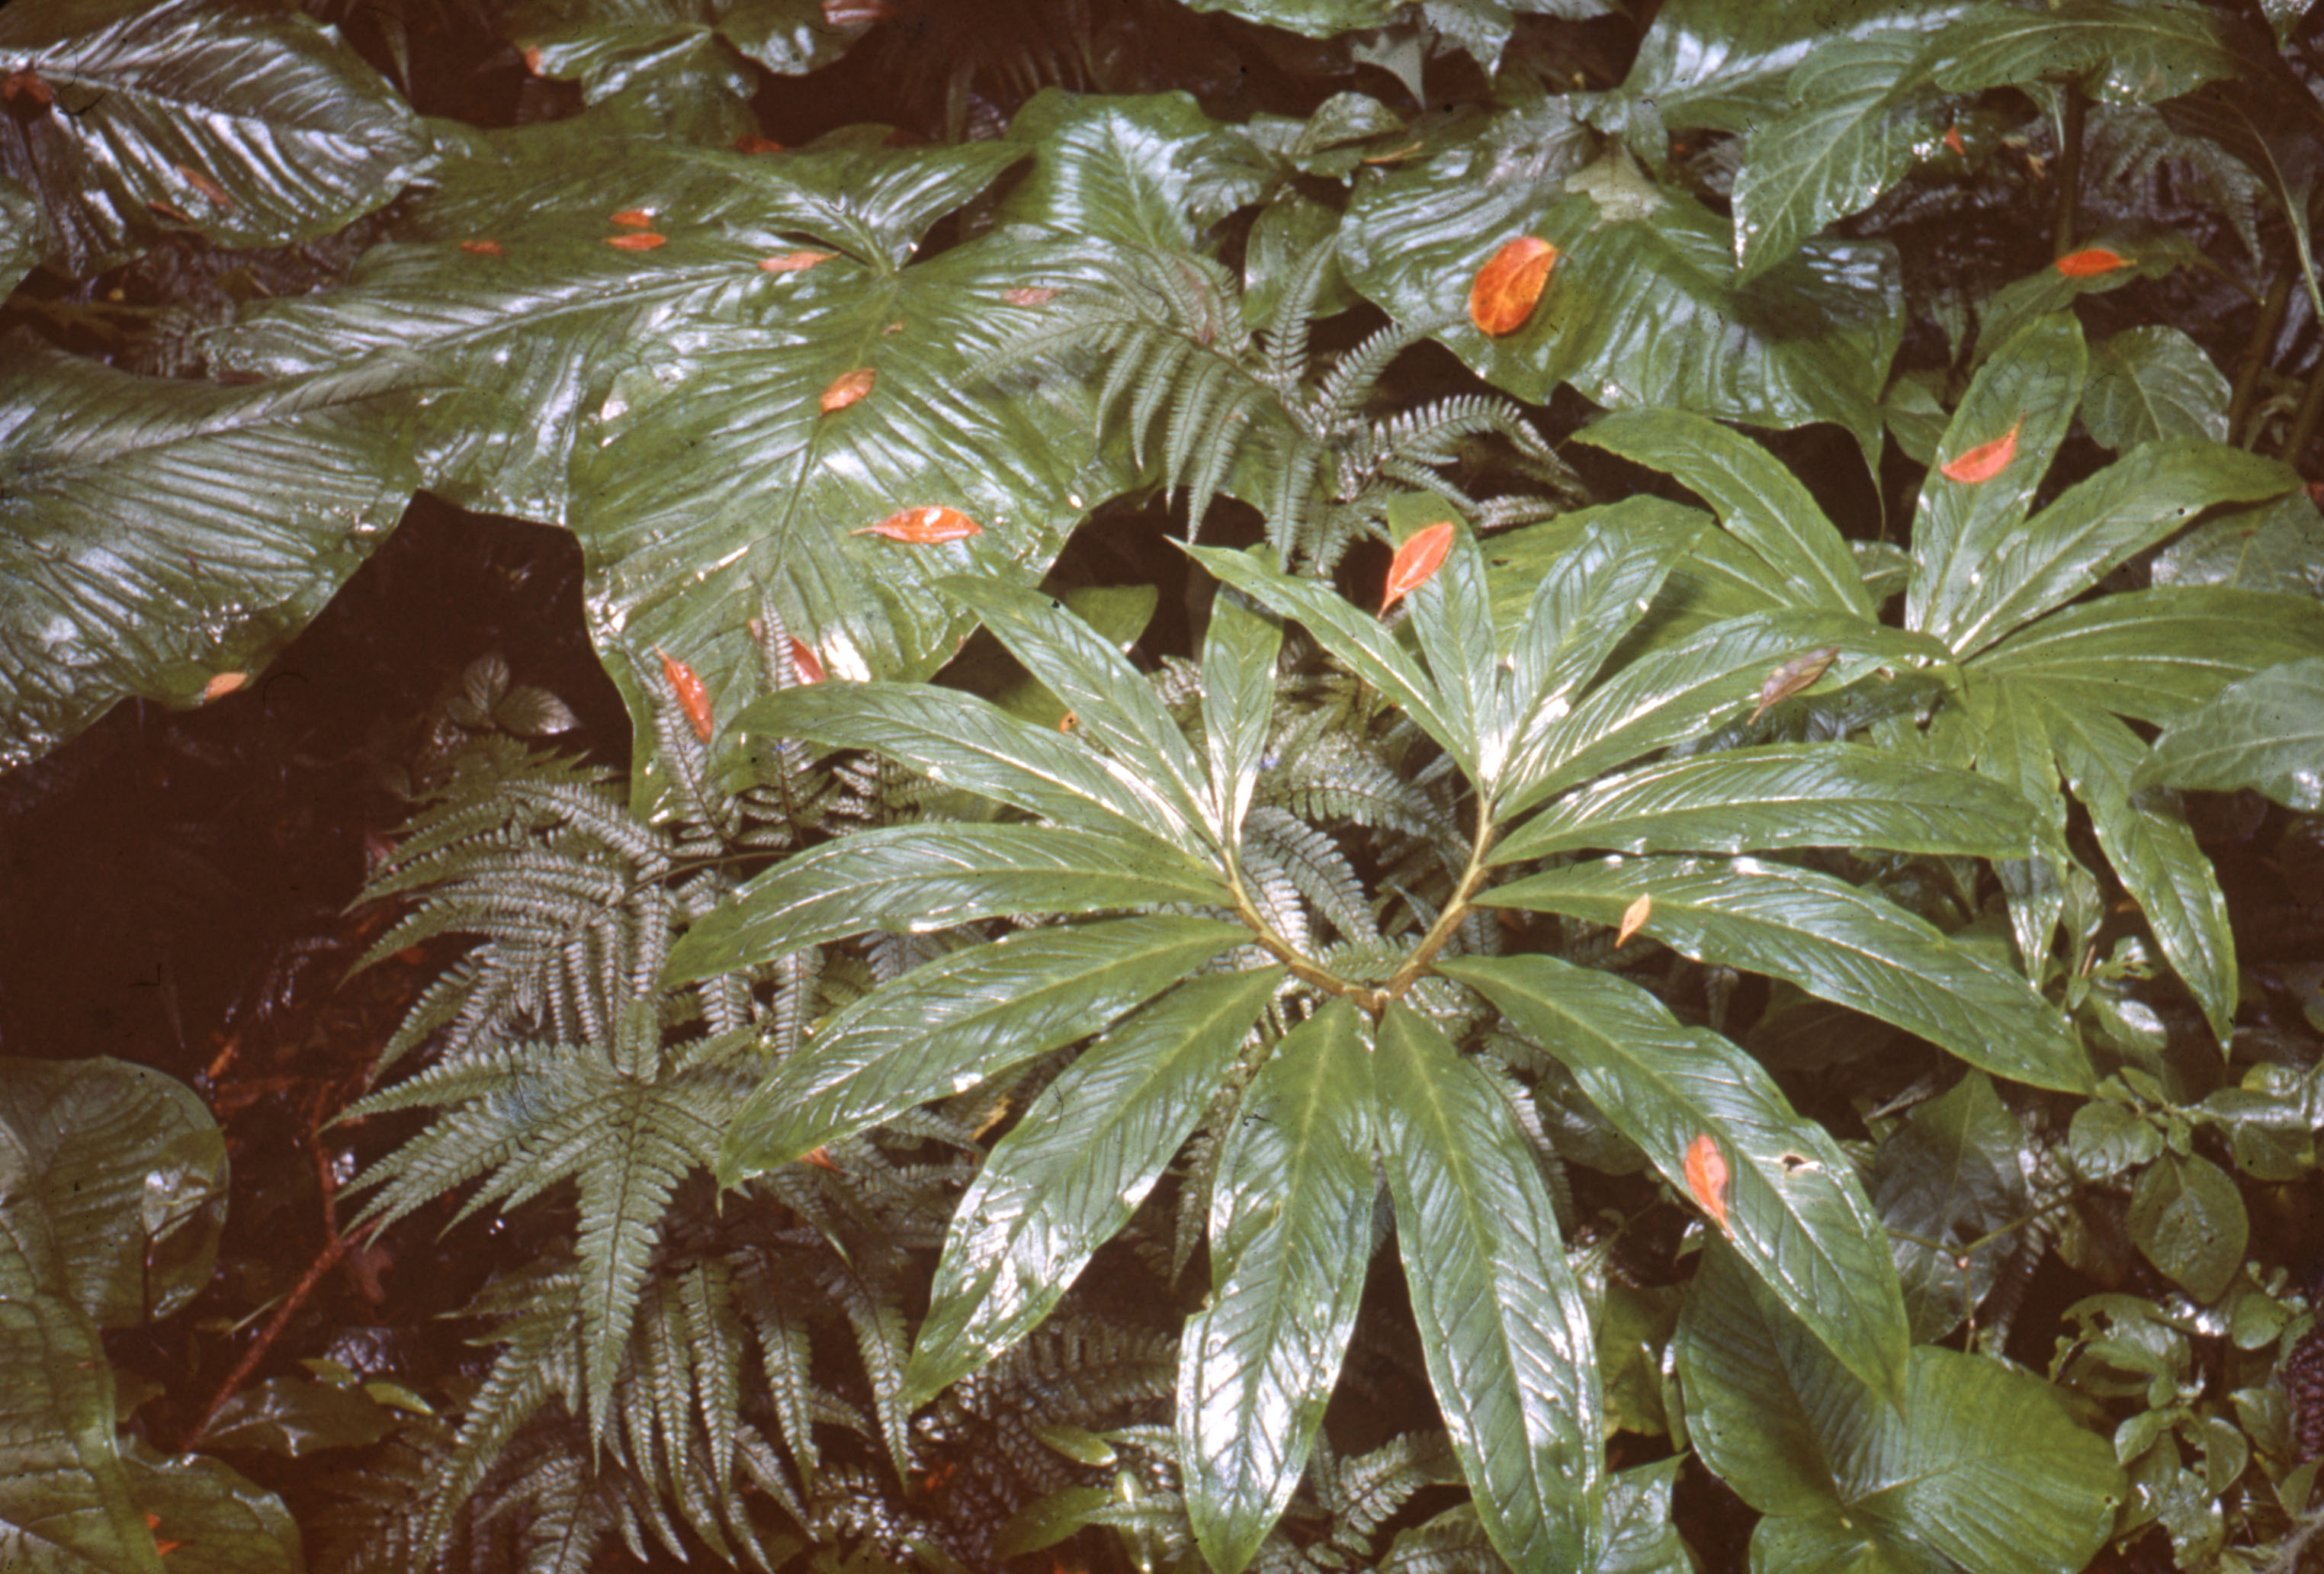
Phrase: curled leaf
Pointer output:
(221, 684)
(482, 248)
(204, 185)
(1985, 461)
(1420, 555)
(1793, 676)
(1706, 1178)
(925, 526)
(644, 240)
(848, 387)
(1029, 295)
(634, 217)
(795, 261)
(1634, 918)
(1506, 287)
(692, 698)
(2090, 261)
(805, 662)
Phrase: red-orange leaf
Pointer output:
(27, 84)
(166, 211)
(1029, 295)
(1985, 461)
(820, 1159)
(755, 144)
(692, 698)
(1506, 287)
(1420, 555)
(2090, 261)
(795, 261)
(1706, 1178)
(221, 684)
(644, 240)
(805, 662)
(1634, 918)
(204, 185)
(482, 248)
(1953, 141)
(1793, 676)
(848, 387)
(532, 60)
(634, 217)
(923, 526)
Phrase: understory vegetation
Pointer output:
(1265, 784)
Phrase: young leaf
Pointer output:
(1503, 1326)
(1415, 560)
(1074, 1170)
(1509, 284)
(952, 1023)
(1290, 1232)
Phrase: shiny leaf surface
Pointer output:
(2266, 732)
(1238, 662)
(2152, 383)
(2154, 655)
(1950, 1188)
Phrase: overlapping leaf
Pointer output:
(2266, 732)
(2148, 383)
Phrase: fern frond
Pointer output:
(1285, 366)
(1316, 867)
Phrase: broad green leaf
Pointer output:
(1641, 309)
(1850, 946)
(2029, 387)
(1110, 701)
(2265, 733)
(1074, 1168)
(2096, 527)
(255, 128)
(2280, 547)
(226, 1523)
(2002, 728)
(1982, 1470)
(158, 535)
(65, 1504)
(910, 878)
(1761, 503)
(112, 1181)
(1239, 657)
(2189, 1220)
(1566, 591)
(1313, 18)
(1145, 169)
(1641, 1532)
(1290, 1235)
(950, 1023)
(24, 235)
(1949, 1188)
(1795, 1212)
(2154, 655)
(594, 43)
(1453, 613)
(1502, 1323)
(969, 744)
(1678, 695)
(2154, 855)
(2139, 53)
(1860, 116)
(294, 1416)
(1355, 636)
(2148, 383)
(1783, 795)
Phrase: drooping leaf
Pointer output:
(1832, 939)
(2266, 732)
(253, 127)
(919, 877)
(158, 532)
(1074, 1168)
(1981, 1469)
(1290, 1225)
(1502, 1322)
(1794, 1209)
(950, 1023)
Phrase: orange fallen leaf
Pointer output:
(1029, 295)
(1634, 917)
(1985, 461)
(1420, 555)
(482, 248)
(692, 698)
(1953, 141)
(532, 60)
(755, 144)
(821, 1160)
(1706, 1178)
(27, 84)
(1506, 287)
(1792, 676)
(925, 526)
(204, 185)
(643, 240)
(635, 217)
(848, 387)
(795, 261)
(805, 662)
(2090, 261)
(221, 684)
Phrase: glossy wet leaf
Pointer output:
(1503, 1326)
(1508, 286)
(61, 1474)
(1836, 940)
(2189, 1220)
(951, 1023)
(2134, 53)
(1795, 1208)
(1238, 663)
(2154, 655)
(2147, 384)
(1453, 617)
(2266, 732)
(1566, 591)
(915, 878)
(1950, 1188)
(1981, 1469)
(1074, 1168)
(1290, 1236)
(1795, 676)
(262, 128)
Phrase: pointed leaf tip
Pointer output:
(848, 387)
(2090, 262)
(1706, 1178)
(925, 526)
(1985, 461)
(1420, 555)
(1506, 287)
(693, 699)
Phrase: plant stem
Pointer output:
(2249, 365)
(2070, 170)
(1440, 933)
